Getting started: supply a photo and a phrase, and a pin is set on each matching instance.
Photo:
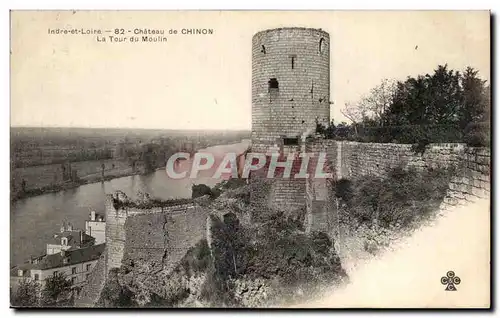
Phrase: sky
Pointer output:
(204, 81)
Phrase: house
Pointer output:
(69, 239)
(96, 227)
(76, 265)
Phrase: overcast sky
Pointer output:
(203, 82)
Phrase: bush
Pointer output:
(197, 258)
(199, 190)
(401, 199)
(26, 294)
(343, 189)
(280, 251)
(172, 299)
(478, 135)
(115, 295)
(57, 291)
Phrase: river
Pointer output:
(34, 220)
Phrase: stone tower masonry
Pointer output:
(290, 85)
(290, 92)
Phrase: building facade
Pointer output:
(96, 227)
(75, 265)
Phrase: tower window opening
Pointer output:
(321, 41)
(273, 89)
(263, 49)
(273, 84)
(291, 141)
(293, 58)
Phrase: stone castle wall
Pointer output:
(321, 211)
(90, 293)
(153, 238)
(158, 241)
(471, 179)
(351, 160)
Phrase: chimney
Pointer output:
(92, 215)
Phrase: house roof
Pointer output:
(73, 237)
(72, 257)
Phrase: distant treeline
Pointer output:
(44, 157)
(41, 146)
(447, 106)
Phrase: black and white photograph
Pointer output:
(250, 159)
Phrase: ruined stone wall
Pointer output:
(321, 210)
(157, 241)
(288, 194)
(152, 239)
(298, 61)
(472, 164)
(90, 293)
(115, 234)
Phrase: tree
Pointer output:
(57, 291)
(376, 103)
(27, 294)
(356, 113)
(371, 107)
(431, 100)
(476, 100)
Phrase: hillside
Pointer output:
(252, 257)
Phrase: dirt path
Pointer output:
(408, 275)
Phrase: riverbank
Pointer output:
(69, 185)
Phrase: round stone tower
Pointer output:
(290, 85)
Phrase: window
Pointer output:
(73, 270)
(290, 141)
(263, 49)
(293, 57)
(20, 273)
(37, 277)
(321, 44)
(273, 89)
(273, 84)
(73, 280)
(88, 267)
(55, 273)
(86, 276)
(64, 241)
